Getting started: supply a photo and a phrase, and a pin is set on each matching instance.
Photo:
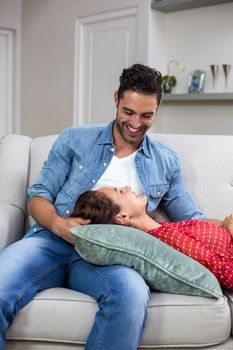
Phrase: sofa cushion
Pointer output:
(67, 316)
(230, 301)
(164, 268)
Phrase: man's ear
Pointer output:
(122, 219)
(116, 100)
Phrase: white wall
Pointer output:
(48, 46)
(10, 18)
(197, 37)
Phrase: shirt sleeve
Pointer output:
(55, 169)
(177, 202)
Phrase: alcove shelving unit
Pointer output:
(178, 5)
(188, 97)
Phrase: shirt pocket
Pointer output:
(158, 191)
(79, 174)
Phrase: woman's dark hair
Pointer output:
(141, 79)
(97, 207)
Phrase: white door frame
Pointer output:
(79, 78)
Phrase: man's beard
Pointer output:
(132, 139)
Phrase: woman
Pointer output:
(210, 244)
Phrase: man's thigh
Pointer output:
(34, 263)
(101, 281)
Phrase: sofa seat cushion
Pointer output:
(65, 316)
(230, 301)
(179, 321)
(56, 314)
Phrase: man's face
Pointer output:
(135, 115)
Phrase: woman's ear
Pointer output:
(122, 219)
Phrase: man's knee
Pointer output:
(131, 292)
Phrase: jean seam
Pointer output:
(47, 272)
(71, 257)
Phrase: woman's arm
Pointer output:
(228, 224)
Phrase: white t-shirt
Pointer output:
(121, 172)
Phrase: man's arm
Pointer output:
(44, 213)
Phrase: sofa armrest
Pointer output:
(11, 224)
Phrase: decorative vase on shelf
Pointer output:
(169, 81)
(226, 70)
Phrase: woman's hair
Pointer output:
(141, 79)
(97, 207)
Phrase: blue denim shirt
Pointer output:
(81, 154)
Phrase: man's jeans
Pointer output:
(43, 260)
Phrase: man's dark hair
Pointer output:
(141, 79)
(97, 207)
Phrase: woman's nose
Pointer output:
(126, 189)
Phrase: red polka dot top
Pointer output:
(210, 245)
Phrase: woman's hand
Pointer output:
(228, 224)
(61, 227)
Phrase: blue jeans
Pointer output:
(43, 260)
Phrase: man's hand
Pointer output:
(45, 215)
(228, 224)
(61, 227)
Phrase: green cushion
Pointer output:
(164, 268)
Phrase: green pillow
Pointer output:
(163, 268)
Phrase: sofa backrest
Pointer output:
(14, 162)
(208, 169)
(40, 148)
(207, 162)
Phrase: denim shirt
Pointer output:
(81, 154)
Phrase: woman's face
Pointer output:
(131, 203)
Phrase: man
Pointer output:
(87, 157)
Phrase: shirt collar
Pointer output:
(106, 138)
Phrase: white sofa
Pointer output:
(61, 319)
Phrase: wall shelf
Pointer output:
(178, 5)
(228, 96)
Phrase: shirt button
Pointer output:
(67, 211)
(93, 181)
(80, 167)
(105, 164)
(112, 149)
(34, 230)
(158, 193)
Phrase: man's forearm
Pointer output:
(43, 212)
